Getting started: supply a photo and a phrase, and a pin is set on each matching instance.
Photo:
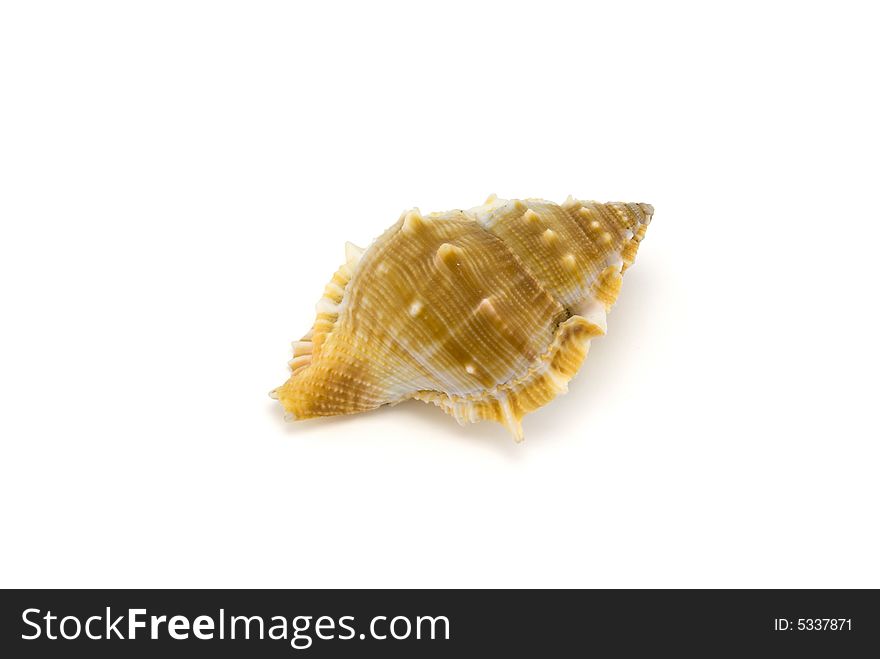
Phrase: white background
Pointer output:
(177, 180)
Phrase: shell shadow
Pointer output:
(417, 417)
(606, 365)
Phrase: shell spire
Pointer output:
(486, 313)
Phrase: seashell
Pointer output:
(486, 313)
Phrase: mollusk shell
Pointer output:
(486, 313)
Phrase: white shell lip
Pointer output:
(353, 253)
(594, 312)
(484, 212)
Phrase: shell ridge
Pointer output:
(633, 231)
(497, 219)
(328, 308)
(327, 314)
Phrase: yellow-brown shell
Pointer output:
(487, 313)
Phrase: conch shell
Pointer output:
(486, 313)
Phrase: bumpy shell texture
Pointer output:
(486, 313)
